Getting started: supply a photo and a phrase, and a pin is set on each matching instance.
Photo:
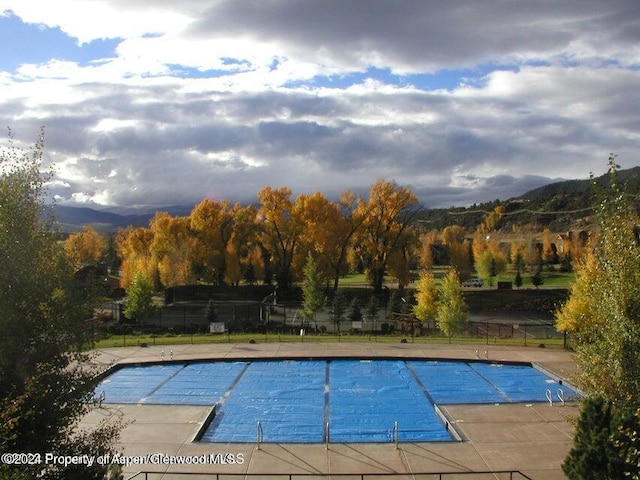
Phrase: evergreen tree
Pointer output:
(211, 313)
(373, 307)
(589, 459)
(536, 278)
(606, 443)
(313, 298)
(395, 302)
(338, 309)
(45, 390)
(355, 312)
(518, 279)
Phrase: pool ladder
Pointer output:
(259, 435)
(560, 395)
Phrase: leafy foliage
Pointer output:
(313, 298)
(604, 305)
(140, 298)
(426, 307)
(603, 311)
(452, 309)
(44, 388)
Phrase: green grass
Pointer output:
(139, 340)
(551, 279)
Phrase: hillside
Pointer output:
(558, 206)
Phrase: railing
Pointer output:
(259, 435)
(560, 395)
(476, 475)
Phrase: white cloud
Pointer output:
(289, 98)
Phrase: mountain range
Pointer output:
(559, 206)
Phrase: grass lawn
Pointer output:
(148, 340)
(551, 279)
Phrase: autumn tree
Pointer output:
(45, 387)
(133, 245)
(389, 212)
(402, 260)
(492, 219)
(242, 245)
(426, 307)
(212, 224)
(452, 309)
(460, 258)
(85, 247)
(343, 224)
(254, 268)
(453, 234)
(281, 230)
(425, 255)
(321, 233)
(549, 252)
(172, 248)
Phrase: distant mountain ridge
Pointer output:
(72, 219)
(564, 205)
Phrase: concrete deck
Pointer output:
(533, 438)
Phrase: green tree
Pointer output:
(606, 443)
(426, 308)
(372, 310)
(211, 313)
(338, 309)
(44, 388)
(590, 457)
(313, 298)
(489, 265)
(536, 278)
(603, 309)
(139, 298)
(355, 312)
(603, 313)
(518, 279)
(452, 308)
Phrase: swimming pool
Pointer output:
(351, 401)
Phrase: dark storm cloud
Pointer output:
(419, 34)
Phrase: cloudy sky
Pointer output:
(161, 102)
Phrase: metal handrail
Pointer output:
(259, 435)
(491, 475)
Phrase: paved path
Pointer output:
(533, 438)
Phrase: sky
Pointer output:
(148, 103)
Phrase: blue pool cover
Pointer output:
(294, 400)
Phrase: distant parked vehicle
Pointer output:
(473, 282)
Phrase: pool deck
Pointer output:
(533, 438)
